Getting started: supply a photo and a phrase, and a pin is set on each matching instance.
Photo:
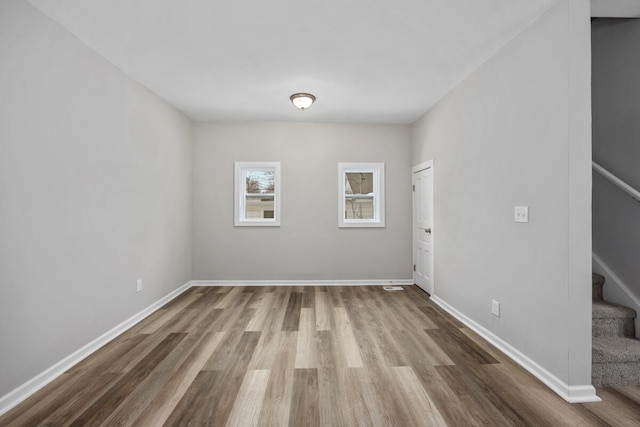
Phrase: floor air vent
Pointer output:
(392, 288)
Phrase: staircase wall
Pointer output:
(616, 146)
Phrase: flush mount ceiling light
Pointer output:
(302, 101)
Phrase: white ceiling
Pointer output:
(370, 61)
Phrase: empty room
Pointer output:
(319, 213)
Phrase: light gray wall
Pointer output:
(516, 133)
(308, 245)
(95, 178)
(616, 146)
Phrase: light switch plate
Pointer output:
(495, 308)
(521, 213)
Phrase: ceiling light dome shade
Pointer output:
(302, 101)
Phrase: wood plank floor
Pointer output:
(307, 356)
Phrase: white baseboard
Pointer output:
(22, 392)
(397, 282)
(572, 394)
(615, 290)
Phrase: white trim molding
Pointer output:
(572, 394)
(376, 282)
(22, 392)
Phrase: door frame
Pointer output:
(420, 167)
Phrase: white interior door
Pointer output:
(423, 226)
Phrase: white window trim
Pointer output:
(239, 195)
(378, 190)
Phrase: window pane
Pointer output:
(358, 207)
(258, 206)
(358, 183)
(358, 188)
(260, 181)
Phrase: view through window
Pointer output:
(361, 195)
(257, 187)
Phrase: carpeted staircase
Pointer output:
(616, 352)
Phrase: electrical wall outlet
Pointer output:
(495, 308)
(521, 213)
(139, 285)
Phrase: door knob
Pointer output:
(427, 230)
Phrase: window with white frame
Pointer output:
(257, 194)
(361, 195)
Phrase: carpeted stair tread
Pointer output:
(615, 350)
(606, 310)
